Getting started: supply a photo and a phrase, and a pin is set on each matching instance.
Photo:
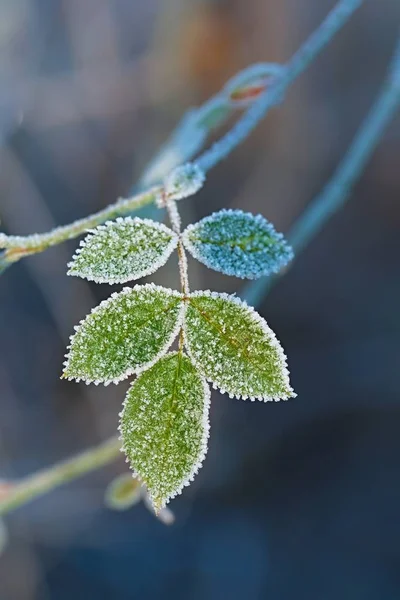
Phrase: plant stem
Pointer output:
(295, 67)
(16, 246)
(338, 189)
(198, 123)
(43, 481)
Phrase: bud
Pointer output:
(248, 85)
(123, 492)
(184, 181)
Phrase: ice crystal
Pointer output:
(123, 492)
(238, 243)
(234, 348)
(164, 426)
(123, 250)
(184, 181)
(124, 334)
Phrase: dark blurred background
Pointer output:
(296, 500)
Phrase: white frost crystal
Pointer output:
(164, 426)
(234, 348)
(123, 250)
(238, 243)
(124, 334)
(184, 181)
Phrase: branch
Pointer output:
(46, 480)
(300, 61)
(187, 140)
(338, 189)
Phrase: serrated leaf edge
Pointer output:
(204, 442)
(132, 221)
(145, 366)
(267, 330)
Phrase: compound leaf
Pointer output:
(238, 243)
(124, 334)
(234, 348)
(123, 250)
(164, 426)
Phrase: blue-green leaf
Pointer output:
(164, 426)
(238, 243)
(234, 348)
(124, 334)
(123, 250)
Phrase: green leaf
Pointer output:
(123, 250)
(234, 348)
(238, 243)
(124, 334)
(164, 426)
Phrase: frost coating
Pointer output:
(238, 243)
(184, 181)
(122, 250)
(164, 426)
(234, 348)
(124, 335)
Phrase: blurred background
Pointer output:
(296, 500)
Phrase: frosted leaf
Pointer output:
(124, 334)
(247, 85)
(123, 492)
(234, 348)
(164, 426)
(184, 181)
(123, 250)
(238, 243)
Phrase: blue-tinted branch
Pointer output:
(338, 189)
(295, 67)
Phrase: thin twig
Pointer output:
(337, 191)
(196, 125)
(44, 481)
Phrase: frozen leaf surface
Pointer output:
(238, 243)
(234, 348)
(123, 250)
(124, 334)
(164, 426)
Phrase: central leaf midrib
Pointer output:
(172, 400)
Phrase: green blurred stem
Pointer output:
(339, 188)
(44, 481)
